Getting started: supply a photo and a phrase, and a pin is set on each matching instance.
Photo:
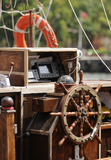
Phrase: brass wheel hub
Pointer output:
(82, 114)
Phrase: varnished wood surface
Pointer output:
(106, 142)
(37, 88)
(7, 137)
(40, 49)
(6, 57)
(108, 158)
(106, 125)
(44, 104)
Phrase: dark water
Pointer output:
(97, 76)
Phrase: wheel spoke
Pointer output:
(63, 88)
(81, 128)
(56, 114)
(92, 113)
(75, 104)
(65, 137)
(98, 139)
(98, 88)
(62, 140)
(72, 114)
(73, 125)
(81, 99)
(89, 102)
(89, 125)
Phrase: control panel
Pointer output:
(44, 71)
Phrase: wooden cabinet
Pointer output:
(22, 58)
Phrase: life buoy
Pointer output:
(23, 23)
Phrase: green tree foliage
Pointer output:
(62, 20)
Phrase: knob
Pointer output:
(12, 63)
(7, 103)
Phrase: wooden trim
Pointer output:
(106, 126)
(7, 136)
(109, 158)
(25, 67)
(50, 147)
(39, 132)
(16, 73)
(38, 49)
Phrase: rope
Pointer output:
(16, 11)
(34, 27)
(13, 23)
(22, 13)
(69, 59)
(5, 33)
(87, 36)
(4, 27)
(0, 7)
(73, 71)
(106, 14)
(27, 3)
(15, 3)
(40, 35)
(46, 27)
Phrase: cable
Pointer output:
(73, 71)
(69, 59)
(87, 36)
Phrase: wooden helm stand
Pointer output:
(80, 121)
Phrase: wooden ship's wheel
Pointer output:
(80, 121)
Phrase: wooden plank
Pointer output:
(108, 158)
(15, 73)
(37, 88)
(26, 67)
(94, 83)
(106, 126)
(6, 57)
(44, 104)
(38, 49)
(17, 80)
(7, 136)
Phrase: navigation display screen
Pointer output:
(45, 68)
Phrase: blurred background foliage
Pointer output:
(62, 20)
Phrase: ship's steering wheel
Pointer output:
(80, 121)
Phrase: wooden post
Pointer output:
(7, 135)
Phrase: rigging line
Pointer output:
(106, 14)
(13, 23)
(34, 18)
(5, 27)
(40, 35)
(16, 11)
(5, 33)
(27, 3)
(0, 7)
(15, 3)
(87, 36)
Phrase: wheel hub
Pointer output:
(82, 114)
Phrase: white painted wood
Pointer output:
(37, 88)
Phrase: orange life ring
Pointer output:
(23, 23)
